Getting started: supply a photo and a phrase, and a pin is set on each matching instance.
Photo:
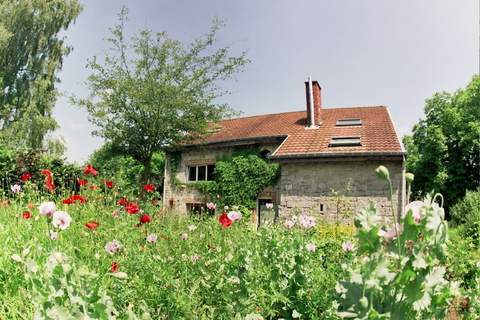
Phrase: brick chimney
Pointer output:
(314, 115)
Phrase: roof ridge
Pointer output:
(263, 115)
(298, 111)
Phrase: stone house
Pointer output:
(321, 151)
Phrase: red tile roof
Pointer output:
(377, 133)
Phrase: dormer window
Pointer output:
(345, 142)
(348, 122)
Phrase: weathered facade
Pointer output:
(324, 154)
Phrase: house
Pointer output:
(320, 151)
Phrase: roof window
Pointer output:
(348, 122)
(345, 142)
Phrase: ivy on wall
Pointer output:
(241, 179)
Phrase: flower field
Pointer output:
(99, 254)
(96, 253)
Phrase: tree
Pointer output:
(444, 150)
(153, 92)
(31, 54)
(124, 169)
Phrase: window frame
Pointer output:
(197, 166)
(349, 141)
(349, 122)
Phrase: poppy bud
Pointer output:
(409, 177)
(382, 173)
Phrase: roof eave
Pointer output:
(232, 142)
(347, 156)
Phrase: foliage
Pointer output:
(31, 54)
(467, 214)
(337, 231)
(462, 259)
(153, 92)
(343, 203)
(463, 265)
(444, 151)
(241, 179)
(398, 273)
(473, 299)
(195, 270)
(14, 163)
(124, 169)
(209, 189)
(60, 290)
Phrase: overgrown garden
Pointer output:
(93, 241)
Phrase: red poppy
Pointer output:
(149, 187)
(26, 176)
(109, 184)
(75, 198)
(48, 180)
(68, 201)
(132, 208)
(93, 187)
(145, 218)
(114, 267)
(122, 202)
(82, 182)
(89, 169)
(224, 220)
(26, 215)
(46, 172)
(92, 225)
(79, 198)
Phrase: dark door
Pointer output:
(266, 213)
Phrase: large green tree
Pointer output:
(152, 92)
(31, 54)
(444, 150)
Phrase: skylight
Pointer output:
(348, 122)
(345, 142)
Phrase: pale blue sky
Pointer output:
(362, 52)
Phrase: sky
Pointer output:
(363, 52)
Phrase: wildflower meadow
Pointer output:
(101, 254)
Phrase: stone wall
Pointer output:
(176, 198)
(310, 186)
(303, 186)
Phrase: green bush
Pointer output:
(463, 265)
(14, 163)
(466, 214)
(125, 170)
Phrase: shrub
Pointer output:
(467, 213)
(14, 163)
(463, 266)
(125, 170)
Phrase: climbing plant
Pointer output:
(242, 178)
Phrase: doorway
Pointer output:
(266, 212)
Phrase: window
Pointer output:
(195, 208)
(265, 154)
(211, 172)
(348, 122)
(201, 173)
(345, 142)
